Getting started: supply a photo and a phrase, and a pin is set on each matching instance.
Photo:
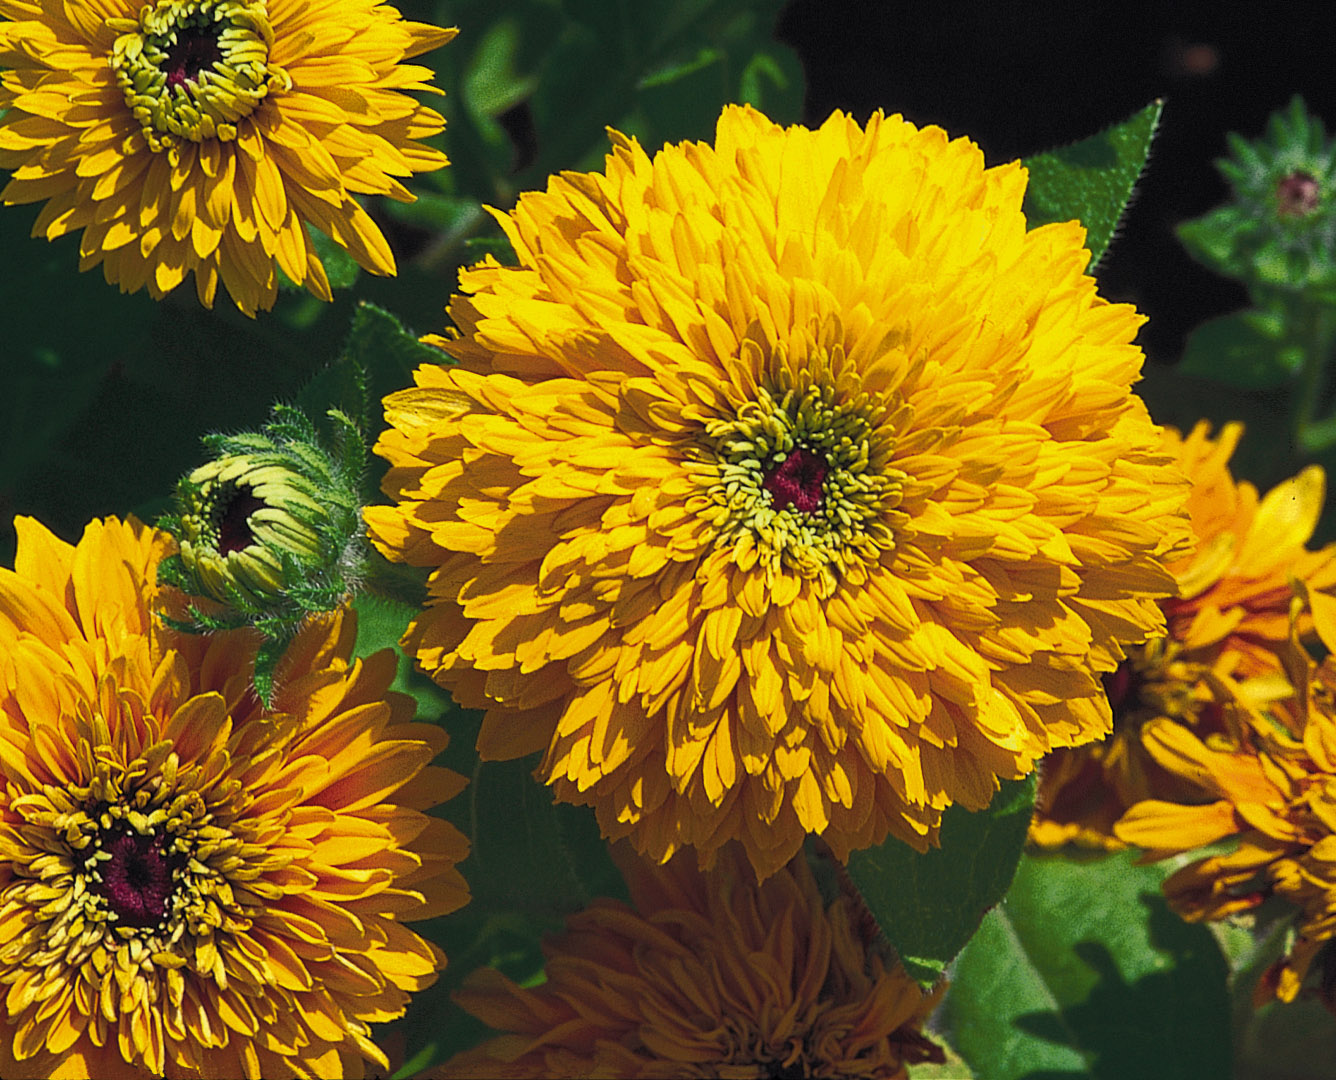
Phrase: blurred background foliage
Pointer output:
(1081, 971)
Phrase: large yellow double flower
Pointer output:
(787, 485)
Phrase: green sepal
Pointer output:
(270, 531)
(1210, 238)
(267, 656)
(929, 904)
(1092, 180)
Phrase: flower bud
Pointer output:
(1279, 228)
(240, 517)
(270, 530)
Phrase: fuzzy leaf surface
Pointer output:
(1092, 180)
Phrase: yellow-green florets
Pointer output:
(801, 475)
(239, 515)
(191, 70)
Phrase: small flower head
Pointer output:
(193, 884)
(706, 975)
(270, 529)
(1279, 229)
(789, 485)
(1228, 625)
(1264, 790)
(1298, 194)
(206, 136)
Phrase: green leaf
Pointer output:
(682, 99)
(928, 905)
(665, 69)
(1093, 179)
(340, 267)
(675, 71)
(1247, 349)
(495, 244)
(493, 82)
(1084, 971)
(452, 214)
(381, 622)
(1212, 238)
(530, 855)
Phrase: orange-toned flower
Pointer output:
(191, 885)
(1229, 622)
(707, 975)
(1269, 788)
(788, 485)
(203, 136)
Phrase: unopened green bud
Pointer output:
(1279, 228)
(239, 516)
(270, 531)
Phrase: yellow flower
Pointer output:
(1268, 786)
(1229, 622)
(204, 135)
(191, 885)
(708, 975)
(789, 485)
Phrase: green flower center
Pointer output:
(193, 69)
(802, 475)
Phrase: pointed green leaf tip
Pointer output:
(1092, 180)
(929, 905)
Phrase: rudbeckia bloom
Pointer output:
(1268, 788)
(707, 975)
(788, 485)
(204, 135)
(1230, 622)
(191, 885)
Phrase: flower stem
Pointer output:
(1312, 323)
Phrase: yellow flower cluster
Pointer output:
(786, 485)
(1229, 622)
(706, 975)
(1225, 729)
(1269, 788)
